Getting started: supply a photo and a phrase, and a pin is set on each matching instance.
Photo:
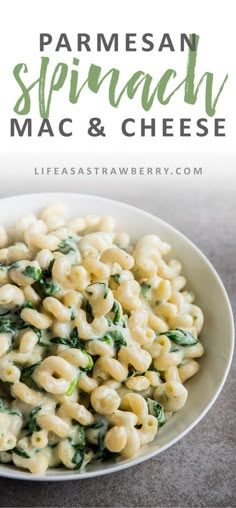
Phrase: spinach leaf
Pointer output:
(11, 322)
(5, 409)
(132, 372)
(72, 314)
(33, 272)
(181, 337)
(117, 309)
(106, 339)
(14, 265)
(117, 339)
(67, 245)
(78, 458)
(145, 290)
(78, 442)
(101, 425)
(42, 275)
(21, 452)
(39, 335)
(11, 348)
(100, 452)
(89, 365)
(32, 425)
(79, 438)
(28, 305)
(152, 368)
(7, 326)
(109, 321)
(105, 288)
(61, 340)
(88, 310)
(72, 341)
(174, 350)
(50, 288)
(28, 371)
(159, 413)
(73, 385)
(116, 277)
(47, 272)
(156, 409)
(104, 455)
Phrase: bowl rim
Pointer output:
(21, 475)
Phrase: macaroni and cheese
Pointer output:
(97, 338)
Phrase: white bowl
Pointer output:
(217, 335)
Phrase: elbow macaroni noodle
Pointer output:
(97, 337)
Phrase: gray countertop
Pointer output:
(200, 469)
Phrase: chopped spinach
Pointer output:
(38, 332)
(33, 272)
(14, 265)
(72, 341)
(181, 337)
(106, 339)
(88, 310)
(7, 326)
(117, 339)
(62, 340)
(67, 245)
(101, 425)
(79, 438)
(28, 305)
(78, 442)
(50, 288)
(159, 413)
(116, 277)
(152, 368)
(156, 409)
(78, 458)
(72, 386)
(43, 277)
(89, 365)
(105, 288)
(174, 350)
(100, 452)
(21, 452)
(5, 409)
(32, 425)
(109, 321)
(104, 455)
(117, 309)
(27, 372)
(47, 272)
(75, 342)
(72, 314)
(132, 372)
(145, 290)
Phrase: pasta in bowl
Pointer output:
(98, 335)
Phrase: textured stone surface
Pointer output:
(200, 469)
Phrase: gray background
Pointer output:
(200, 469)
